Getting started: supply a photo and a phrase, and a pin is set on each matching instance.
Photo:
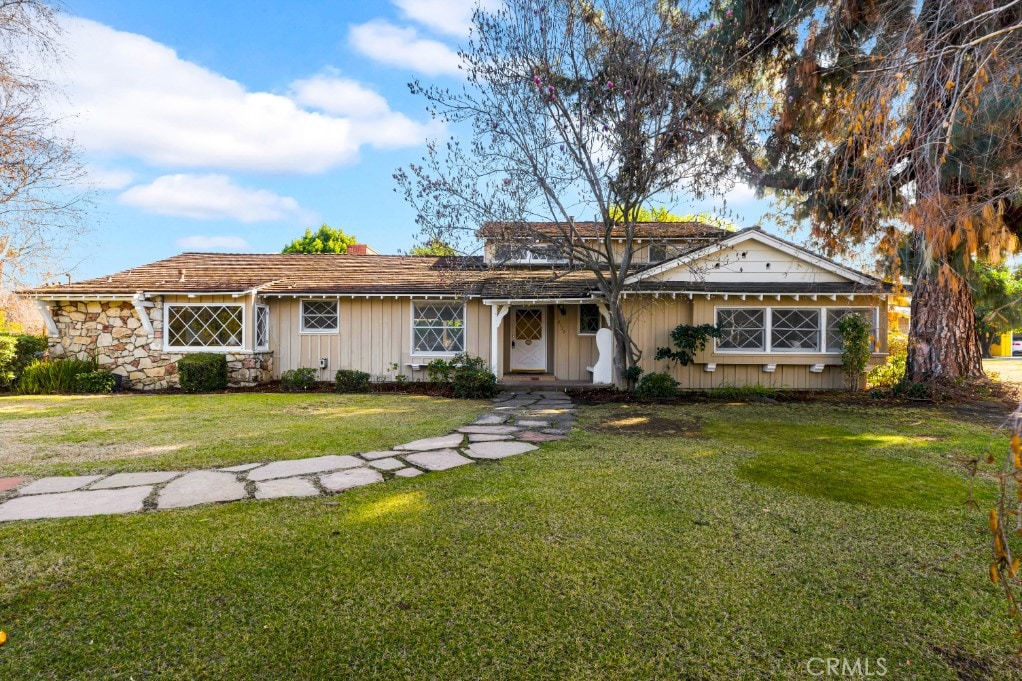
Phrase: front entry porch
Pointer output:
(550, 343)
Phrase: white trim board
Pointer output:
(764, 238)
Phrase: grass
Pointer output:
(46, 435)
(1009, 370)
(762, 537)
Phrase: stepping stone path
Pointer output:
(516, 424)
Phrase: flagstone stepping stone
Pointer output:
(439, 460)
(356, 477)
(135, 479)
(201, 487)
(490, 420)
(408, 472)
(64, 483)
(294, 467)
(285, 487)
(72, 504)
(369, 456)
(10, 483)
(555, 431)
(390, 464)
(498, 450)
(488, 438)
(442, 442)
(531, 423)
(242, 468)
(489, 430)
(533, 436)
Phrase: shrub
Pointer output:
(53, 376)
(472, 378)
(94, 382)
(351, 381)
(855, 354)
(632, 374)
(202, 372)
(439, 371)
(16, 353)
(298, 379)
(892, 372)
(687, 340)
(657, 385)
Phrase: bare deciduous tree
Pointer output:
(575, 109)
(41, 201)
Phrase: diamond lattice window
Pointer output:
(204, 326)
(262, 326)
(438, 327)
(795, 330)
(741, 329)
(834, 316)
(319, 316)
(589, 319)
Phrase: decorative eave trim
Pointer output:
(536, 301)
(762, 237)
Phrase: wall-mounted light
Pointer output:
(563, 310)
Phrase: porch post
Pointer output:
(497, 314)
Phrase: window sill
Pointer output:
(326, 332)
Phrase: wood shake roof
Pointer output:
(291, 274)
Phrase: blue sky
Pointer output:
(233, 125)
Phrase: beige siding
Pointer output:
(374, 333)
(753, 262)
(653, 319)
(572, 353)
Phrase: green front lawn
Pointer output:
(60, 434)
(745, 542)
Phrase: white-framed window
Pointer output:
(834, 316)
(262, 327)
(320, 316)
(589, 319)
(204, 326)
(438, 328)
(795, 329)
(784, 329)
(742, 329)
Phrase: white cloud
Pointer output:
(212, 197)
(372, 121)
(401, 46)
(740, 193)
(127, 94)
(453, 17)
(214, 243)
(107, 178)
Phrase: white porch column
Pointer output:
(497, 314)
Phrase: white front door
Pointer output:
(528, 339)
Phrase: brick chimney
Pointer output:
(361, 249)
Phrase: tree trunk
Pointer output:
(623, 356)
(943, 343)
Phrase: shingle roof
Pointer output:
(807, 288)
(594, 230)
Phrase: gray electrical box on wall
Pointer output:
(323, 362)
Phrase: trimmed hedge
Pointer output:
(351, 381)
(94, 383)
(202, 372)
(17, 353)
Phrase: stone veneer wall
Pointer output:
(111, 332)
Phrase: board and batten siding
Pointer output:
(751, 261)
(373, 334)
(653, 319)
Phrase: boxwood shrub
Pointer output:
(202, 372)
(298, 379)
(351, 381)
(657, 385)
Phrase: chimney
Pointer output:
(361, 249)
